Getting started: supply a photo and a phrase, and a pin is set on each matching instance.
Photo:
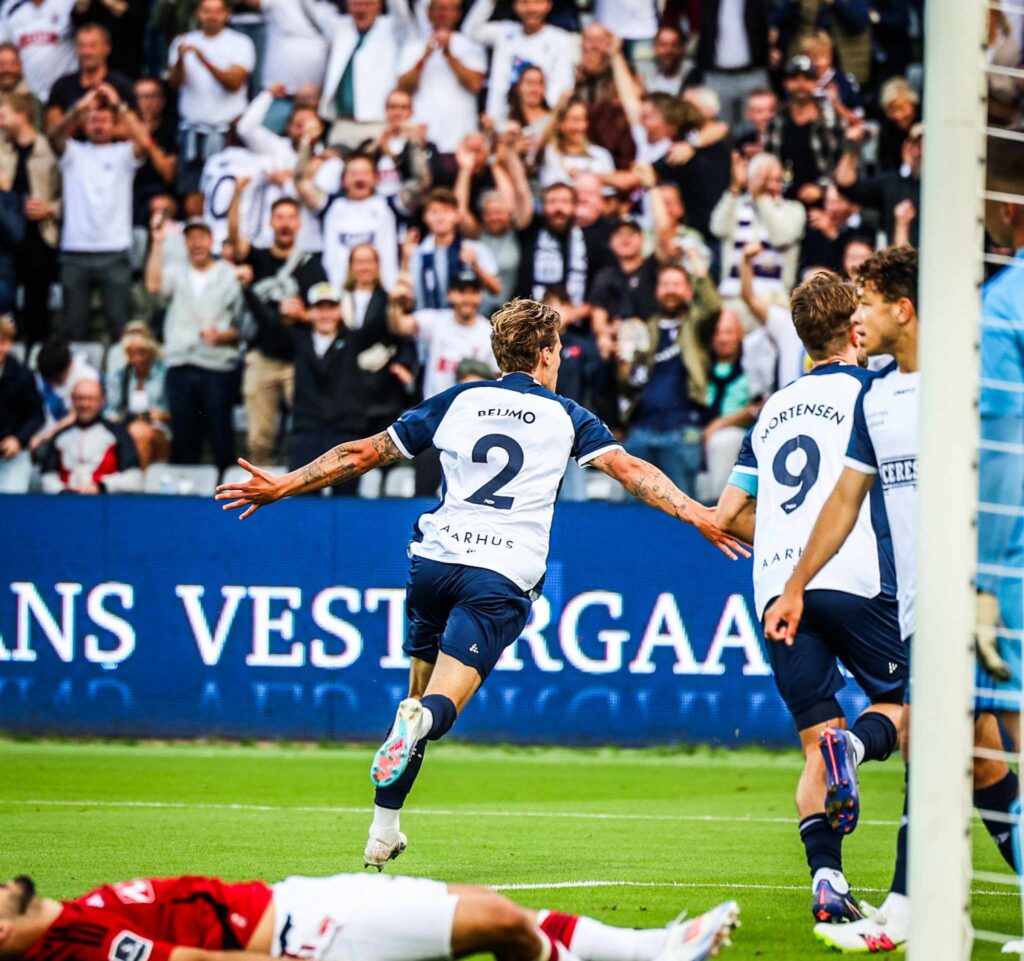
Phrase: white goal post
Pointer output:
(942, 667)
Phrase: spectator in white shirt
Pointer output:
(444, 256)
(98, 174)
(447, 338)
(42, 32)
(570, 152)
(281, 152)
(362, 65)
(444, 76)
(211, 66)
(517, 44)
(353, 215)
(296, 53)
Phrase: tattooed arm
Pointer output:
(648, 484)
(341, 463)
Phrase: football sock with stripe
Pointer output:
(1003, 798)
(439, 715)
(822, 845)
(591, 940)
(873, 736)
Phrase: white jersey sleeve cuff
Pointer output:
(594, 454)
(393, 434)
(860, 466)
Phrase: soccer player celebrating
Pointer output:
(348, 917)
(478, 557)
(788, 465)
(884, 443)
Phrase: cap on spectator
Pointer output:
(628, 223)
(470, 367)
(324, 293)
(801, 64)
(197, 222)
(465, 279)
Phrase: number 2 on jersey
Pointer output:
(488, 495)
(808, 475)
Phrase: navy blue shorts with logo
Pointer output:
(863, 633)
(469, 613)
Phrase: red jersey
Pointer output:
(143, 920)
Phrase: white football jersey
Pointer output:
(45, 39)
(504, 448)
(791, 460)
(348, 223)
(217, 185)
(885, 442)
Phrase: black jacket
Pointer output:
(755, 19)
(336, 393)
(882, 193)
(21, 407)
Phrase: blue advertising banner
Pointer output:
(164, 617)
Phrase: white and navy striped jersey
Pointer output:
(884, 441)
(791, 460)
(504, 448)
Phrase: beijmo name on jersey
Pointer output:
(504, 448)
(791, 460)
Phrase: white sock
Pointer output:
(426, 723)
(593, 941)
(552, 950)
(896, 908)
(858, 747)
(836, 878)
(385, 824)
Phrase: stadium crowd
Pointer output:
(271, 228)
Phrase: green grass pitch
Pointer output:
(671, 830)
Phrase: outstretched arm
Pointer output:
(341, 463)
(645, 482)
(736, 513)
(836, 520)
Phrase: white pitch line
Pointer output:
(559, 885)
(427, 812)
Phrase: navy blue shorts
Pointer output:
(469, 613)
(863, 633)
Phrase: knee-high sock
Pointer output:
(593, 941)
(441, 714)
(1002, 798)
(822, 845)
(394, 796)
(899, 874)
(874, 736)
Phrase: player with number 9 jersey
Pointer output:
(788, 466)
(478, 557)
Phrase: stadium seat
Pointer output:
(199, 480)
(601, 487)
(90, 350)
(400, 482)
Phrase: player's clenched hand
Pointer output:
(783, 618)
(261, 489)
(703, 518)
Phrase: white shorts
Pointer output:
(363, 917)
